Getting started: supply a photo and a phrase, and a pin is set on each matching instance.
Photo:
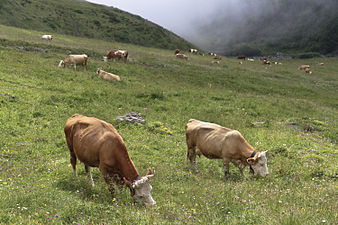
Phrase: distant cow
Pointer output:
(218, 57)
(266, 62)
(212, 54)
(321, 64)
(47, 37)
(193, 50)
(116, 54)
(307, 70)
(96, 143)
(303, 67)
(251, 60)
(107, 76)
(215, 62)
(73, 60)
(181, 56)
(241, 57)
(217, 142)
(176, 51)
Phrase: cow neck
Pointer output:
(128, 169)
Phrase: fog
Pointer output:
(215, 24)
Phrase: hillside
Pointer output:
(277, 108)
(84, 19)
(266, 27)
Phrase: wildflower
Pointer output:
(56, 215)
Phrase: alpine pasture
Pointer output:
(277, 108)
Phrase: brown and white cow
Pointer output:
(96, 143)
(307, 70)
(181, 56)
(217, 142)
(107, 76)
(192, 50)
(116, 54)
(73, 60)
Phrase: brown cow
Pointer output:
(107, 76)
(116, 54)
(176, 51)
(241, 57)
(181, 56)
(217, 142)
(96, 143)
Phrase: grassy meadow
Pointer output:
(277, 108)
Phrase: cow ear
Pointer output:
(251, 160)
(149, 172)
(128, 184)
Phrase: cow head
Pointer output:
(259, 164)
(105, 58)
(98, 70)
(140, 189)
(62, 63)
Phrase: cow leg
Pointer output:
(108, 180)
(226, 167)
(72, 157)
(240, 167)
(73, 162)
(191, 155)
(89, 174)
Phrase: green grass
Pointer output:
(35, 174)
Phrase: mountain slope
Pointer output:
(81, 18)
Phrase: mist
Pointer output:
(218, 25)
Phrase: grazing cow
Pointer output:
(217, 142)
(116, 54)
(193, 50)
(215, 62)
(251, 60)
(303, 67)
(176, 51)
(96, 143)
(107, 76)
(241, 57)
(47, 37)
(73, 60)
(181, 56)
(307, 70)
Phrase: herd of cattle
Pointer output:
(96, 143)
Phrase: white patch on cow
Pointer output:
(261, 167)
(142, 191)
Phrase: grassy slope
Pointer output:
(80, 18)
(35, 174)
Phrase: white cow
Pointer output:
(47, 37)
(73, 60)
